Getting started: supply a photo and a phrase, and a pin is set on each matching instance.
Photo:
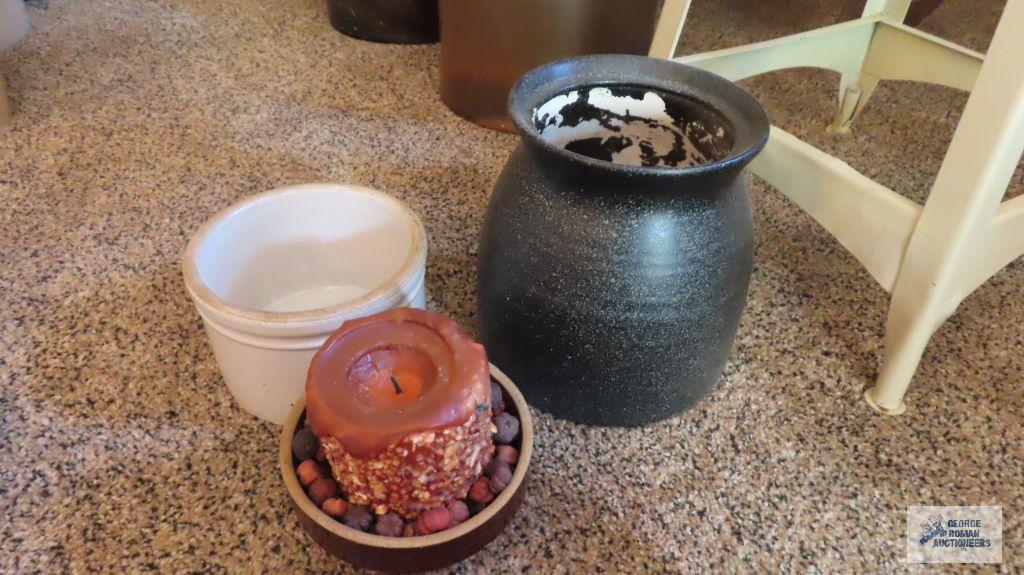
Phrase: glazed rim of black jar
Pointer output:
(744, 116)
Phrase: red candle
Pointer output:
(401, 402)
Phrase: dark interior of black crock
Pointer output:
(635, 125)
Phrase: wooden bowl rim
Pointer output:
(298, 494)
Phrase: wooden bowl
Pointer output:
(421, 553)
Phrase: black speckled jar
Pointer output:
(388, 21)
(611, 293)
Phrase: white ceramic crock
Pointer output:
(274, 275)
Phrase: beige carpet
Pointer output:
(121, 450)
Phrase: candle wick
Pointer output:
(398, 388)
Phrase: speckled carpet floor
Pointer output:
(121, 450)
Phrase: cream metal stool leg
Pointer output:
(856, 86)
(930, 257)
(670, 27)
(965, 233)
(854, 95)
(5, 104)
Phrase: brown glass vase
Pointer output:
(487, 45)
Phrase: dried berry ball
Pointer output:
(321, 454)
(500, 408)
(496, 395)
(305, 444)
(308, 472)
(358, 517)
(459, 511)
(325, 470)
(433, 520)
(500, 478)
(409, 530)
(335, 507)
(507, 454)
(389, 525)
(508, 428)
(480, 492)
(322, 489)
(475, 508)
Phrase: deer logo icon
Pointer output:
(931, 529)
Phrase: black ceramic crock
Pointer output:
(388, 21)
(612, 293)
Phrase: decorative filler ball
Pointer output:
(496, 468)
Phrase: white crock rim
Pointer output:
(307, 322)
